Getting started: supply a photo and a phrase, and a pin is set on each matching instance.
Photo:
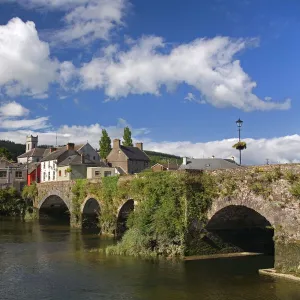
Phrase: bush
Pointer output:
(11, 202)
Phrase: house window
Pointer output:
(2, 174)
(28, 147)
(107, 173)
(97, 173)
(19, 174)
(53, 175)
(94, 157)
(44, 176)
(33, 145)
(48, 164)
(59, 173)
(48, 175)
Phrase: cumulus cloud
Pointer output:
(278, 150)
(208, 65)
(26, 66)
(13, 116)
(13, 109)
(85, 20)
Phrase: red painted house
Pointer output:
(34, 173)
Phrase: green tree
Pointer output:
(127, 141)
(5, 153)
(105, 144)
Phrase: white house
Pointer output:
(50, 162)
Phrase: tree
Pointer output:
(5, 153)
(127, 141)
(105, 144)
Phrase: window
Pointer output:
(94, 157)
(48, 164)
(27, 147)
(33, 145)
(107, 173)
(53, 175)
(48, 175)
(19, 174)
(44, 176)
(2, 174)
(97, 173)
(59, 173)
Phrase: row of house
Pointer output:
(80, 161)
(72, 162)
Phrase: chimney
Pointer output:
(52, 149)
(82, 158)
(184, 161)
(139, 145)
(70, 146)
(116, 144)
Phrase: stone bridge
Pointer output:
(250, 200)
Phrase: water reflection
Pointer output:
(40, 261)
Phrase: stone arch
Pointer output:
(54, 194)
(55, 208)
(258, 204)
(122, 215)
(90, 212)
(87, 198)
(242, 225)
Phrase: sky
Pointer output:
(178, 73)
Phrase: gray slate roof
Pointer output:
(36, 152)
(134, 153)
(170, 166)
(76, 160)
(208, 164)
(33, 166)
(56, 154)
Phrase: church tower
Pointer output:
(31, 142)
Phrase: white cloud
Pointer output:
(26, 66)
(32, 124)
(282, 149)
(13, 116)
(13, 109)
(190, 97)
(85, 20)
(207, 65)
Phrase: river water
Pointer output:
(52, 261)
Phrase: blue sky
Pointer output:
(179, 73)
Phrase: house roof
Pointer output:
(75, 159)
(36, 152)
(120, 170)
(170, 166)
(208, 164)
(55, 154)
(134, 153)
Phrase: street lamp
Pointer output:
(239, 124)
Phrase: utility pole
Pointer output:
(267, 160)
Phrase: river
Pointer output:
(51, 261)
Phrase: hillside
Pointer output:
(159, 157)
(13, 148)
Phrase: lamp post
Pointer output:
(239, 124)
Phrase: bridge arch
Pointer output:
(54, 206)
(246, 226)
(122, 216)
(90, 211)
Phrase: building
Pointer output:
(130, 159)
(88, 151)
(100, 171)
(164, 167)
(76, 166)
(50, 162)
(34, 173)
(12, 174)
(207, 164)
